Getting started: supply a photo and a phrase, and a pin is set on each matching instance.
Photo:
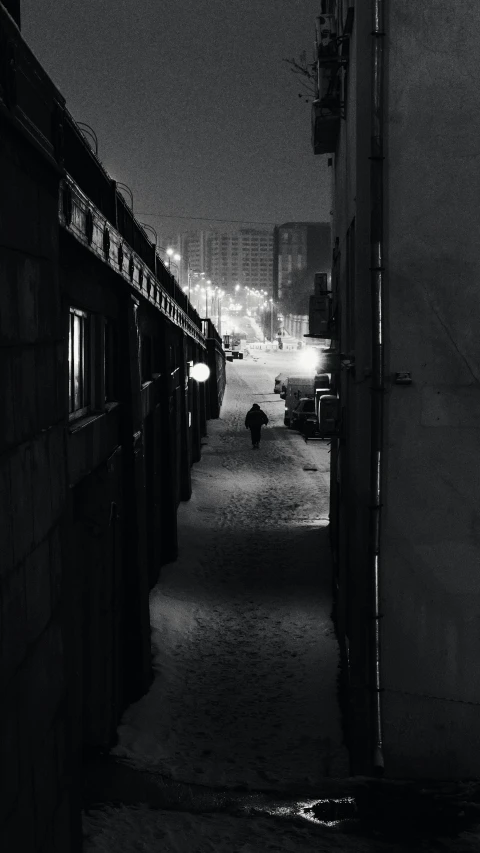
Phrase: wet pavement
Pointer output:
(353, 815)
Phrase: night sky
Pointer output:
(191, 101)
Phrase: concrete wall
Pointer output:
(431, 534)
(430, 545)
(295, 325)
(351, 451)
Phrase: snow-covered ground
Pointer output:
(130, 830)
(244, 650)
(245, 654)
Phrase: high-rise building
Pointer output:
(255, 258)
(242, 257)
(300, 250)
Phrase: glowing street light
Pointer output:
(192, 274)
(173, 255)
(309, 358)
(200, 371)
(152, 229)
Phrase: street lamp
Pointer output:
(195, 274)
(172, 254)
(200, 371)
(127, 189)
(208, 292)
(197, 300)
(152, 229)
(271, 319)
(219, 306)
(205, 291)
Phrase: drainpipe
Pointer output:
(377, 284)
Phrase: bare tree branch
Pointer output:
(302, 67)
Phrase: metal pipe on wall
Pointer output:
(377, 405)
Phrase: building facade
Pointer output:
(227, 257)
(101, 422)
(300, 250)
(398, 112)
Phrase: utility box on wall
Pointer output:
(319, 315)
(320, 284)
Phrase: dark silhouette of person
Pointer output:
(254, 421)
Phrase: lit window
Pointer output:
(78, 363)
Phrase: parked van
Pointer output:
(322, 380)
(297, 387)
(280, 381)
(324, 423)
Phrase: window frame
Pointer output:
(85, 363)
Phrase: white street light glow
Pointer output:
(200, 372)
(309, 358)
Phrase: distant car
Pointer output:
(279, 381)
(299, 415)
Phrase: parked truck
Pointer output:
(232, 345)
(296, 388)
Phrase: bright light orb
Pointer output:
(200, 372)
(309, 359)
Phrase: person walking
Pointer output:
(256, 418)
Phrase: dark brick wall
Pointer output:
(87, 505)
(37, 800)
(217, 380)
(13, 7)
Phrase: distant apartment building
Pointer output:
(255, 258)
(192, 248)
(193, 251)
(242, 257)
(300, 250)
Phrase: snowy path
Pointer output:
(245, 655)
